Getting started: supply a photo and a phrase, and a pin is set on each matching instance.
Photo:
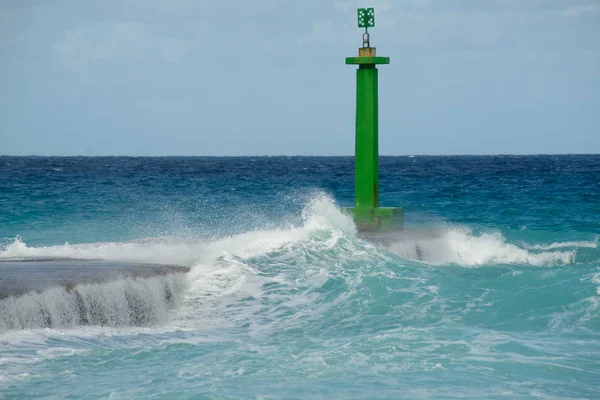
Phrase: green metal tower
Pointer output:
(368, 216)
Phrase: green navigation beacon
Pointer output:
(367, 214)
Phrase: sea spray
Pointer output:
(459, 245)
(221, 267)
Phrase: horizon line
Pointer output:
(301, 155)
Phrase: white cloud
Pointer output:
(580, 9)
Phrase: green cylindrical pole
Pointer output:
(367, 144)
(367, 214)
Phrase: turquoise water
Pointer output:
(493, 293)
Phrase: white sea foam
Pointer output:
(221, 268)
(227, 287)
(218, 273)
(592, 244)
(458, 245)
(160, 250)
(320, 215)
(596, 279)
(324, 225)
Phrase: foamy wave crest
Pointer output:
(240, 264)
(562, 245)
(323, 213)
(321, 217)
(158, 251)
(219, 268)
(460, 246)
(126, 302)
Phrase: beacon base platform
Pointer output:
(379, 219)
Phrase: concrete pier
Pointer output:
(19, 277)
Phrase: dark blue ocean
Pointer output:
(495, 295)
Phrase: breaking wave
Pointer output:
(245, 266)
(593, 244)
(460, 246)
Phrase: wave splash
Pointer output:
(458, 245)
(144, 302)
(322, 221)
(320, 215)
(593, 244)
(323, 248)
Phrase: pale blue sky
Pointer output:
(254, 77)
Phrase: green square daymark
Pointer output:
(366, 17)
